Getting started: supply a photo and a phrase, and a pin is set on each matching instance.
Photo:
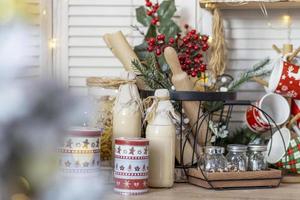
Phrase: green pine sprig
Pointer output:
(151, 74)
(257, 71)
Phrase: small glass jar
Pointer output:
(257, 157)
(237, 157)
(103, 92)
(214, 160)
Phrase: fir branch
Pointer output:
(135, 27)
(150, 74)
(256, 71)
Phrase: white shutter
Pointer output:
(36, 61)
(85, 53)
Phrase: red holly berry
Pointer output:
(183, 67)
(151, 41)
(204, 38)
(188, 62)
(193, 31)
(194, 74)
(161, 37)
(196, 37)
(189, 45)
(149, 12)
(155, 7)
(171, 40)
(185, 40)
(202, 68)
(154, 21)
(158, 52)
(205, 47)
(148, 4)
(197, 60)
(196, 47)
(150, 48)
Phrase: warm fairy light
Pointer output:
(52, 43)
(44, 12)
(286, 19)
(210, 40)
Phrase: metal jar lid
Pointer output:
(257, 147)
(237, 148)
(214, 150)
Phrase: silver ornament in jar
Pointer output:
(257, 157)
(237, 157)
(214, 160)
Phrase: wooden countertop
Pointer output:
(189, 192)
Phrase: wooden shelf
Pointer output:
(250, 5)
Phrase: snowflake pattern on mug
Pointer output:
(284, 88)
(289, 82)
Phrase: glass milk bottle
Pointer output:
(127, 111)
(160, 132)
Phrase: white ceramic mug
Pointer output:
(276, 106)
(285, 79)
(278, 145)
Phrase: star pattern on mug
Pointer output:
(131, 151)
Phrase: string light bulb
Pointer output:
(210, 39)
(286, 19)
(52, 43)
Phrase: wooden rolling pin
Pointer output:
(121, 49)
(182, 82)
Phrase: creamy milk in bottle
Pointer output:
(161, 135)
(127, 109)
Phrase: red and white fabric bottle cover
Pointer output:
(131, 165)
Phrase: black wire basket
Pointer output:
(217, 106)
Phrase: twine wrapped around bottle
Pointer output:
(131, 98)
(151, 104)
(107, 82)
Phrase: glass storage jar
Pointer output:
(257, 157)
(103, 91)
(214, 160)
(237, 157)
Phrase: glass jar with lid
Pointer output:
(237, 157)
(214, 160)
(257, 157)
(102, 92)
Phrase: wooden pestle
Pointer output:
(182, 82)
(121, 49)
